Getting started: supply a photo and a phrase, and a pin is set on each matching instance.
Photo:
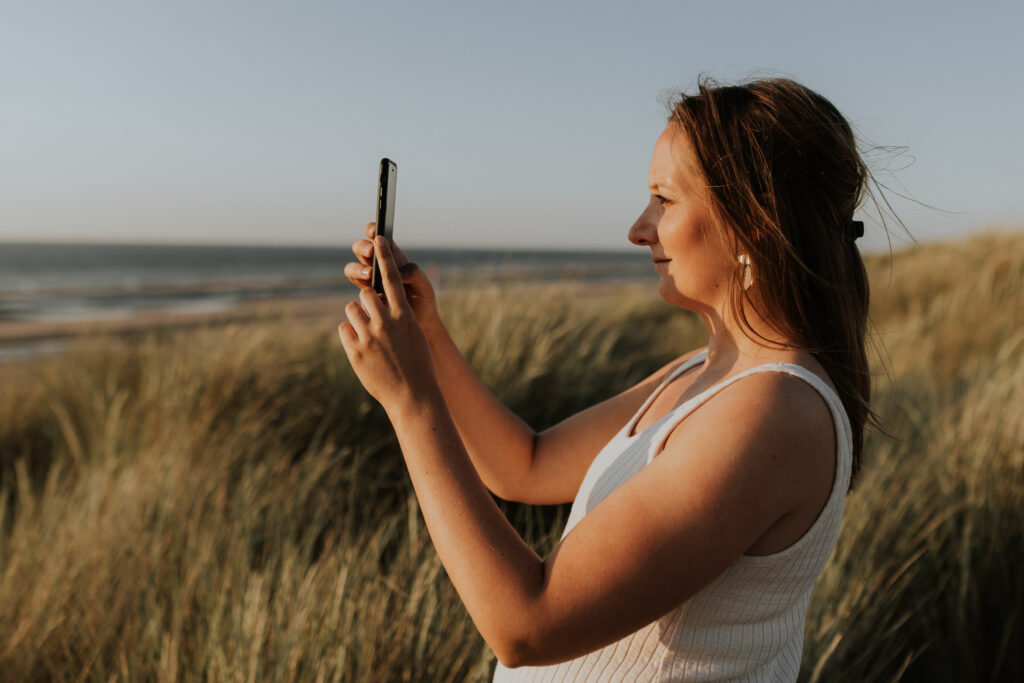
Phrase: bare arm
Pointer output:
(514, 461)
(653, 543)
(500, 444)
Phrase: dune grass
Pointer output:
(228, 504)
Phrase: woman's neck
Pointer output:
(730, 345)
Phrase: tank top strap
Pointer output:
(680, 369)
(840, 420)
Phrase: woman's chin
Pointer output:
(670, 294)
(667, 289)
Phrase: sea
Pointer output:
(51, 282)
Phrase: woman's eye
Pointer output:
(661, 200)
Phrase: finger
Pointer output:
(393, 288)
(373, 307)
(363, 249)
(415, 280)
(410, 272)
(357, 318)
(400, 258)
(371, 230)
(359, 274)
(348, 337)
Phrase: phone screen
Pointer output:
(385, 213)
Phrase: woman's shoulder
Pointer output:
(772, 423)
(764, 395)
(798, 387)
(772, 406)
(784, 391)
(783, 395)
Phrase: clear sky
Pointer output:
(524, 124)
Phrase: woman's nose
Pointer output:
(644, 231)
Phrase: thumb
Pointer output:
(401, 260)
(412, 274)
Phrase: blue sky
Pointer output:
(517, 124)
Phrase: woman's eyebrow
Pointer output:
(661, 187)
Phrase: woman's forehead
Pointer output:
(672, 162)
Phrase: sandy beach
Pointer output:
(19, 332)
(22, 338)
(24, 344)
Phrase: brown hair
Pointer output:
(784, 177)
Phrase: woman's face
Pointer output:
(678, 227)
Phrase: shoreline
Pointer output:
(24, 339)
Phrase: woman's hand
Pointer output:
(384, 343)
(418, 291)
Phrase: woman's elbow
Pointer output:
(503, 490)
(513, 653)
(533, 649)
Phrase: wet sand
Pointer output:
(23, 343)
(28, 338)
(299, 309)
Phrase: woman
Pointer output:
(707, 498)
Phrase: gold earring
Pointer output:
(747, 278)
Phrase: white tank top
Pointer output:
(748, 623)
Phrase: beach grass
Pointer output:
(226, 503)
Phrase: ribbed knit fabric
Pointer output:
(747, 624)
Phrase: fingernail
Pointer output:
(366, 271)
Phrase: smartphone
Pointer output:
(385, 213)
